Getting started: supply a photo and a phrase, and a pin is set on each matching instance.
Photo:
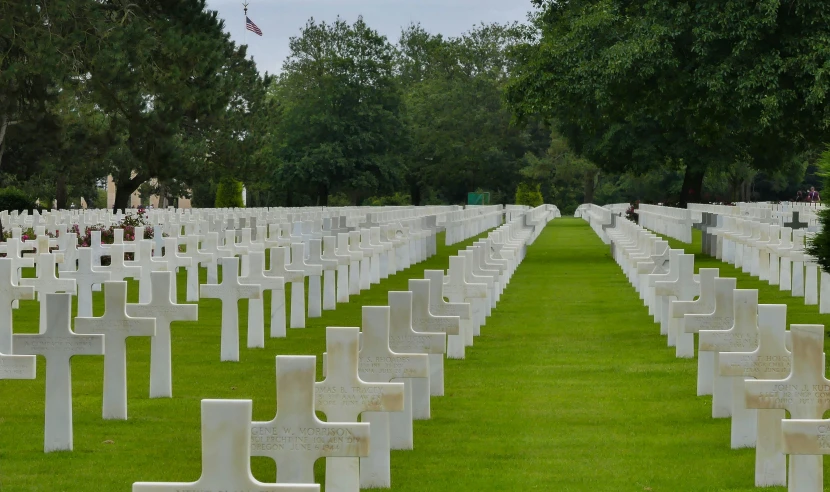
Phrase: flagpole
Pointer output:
(245, 33)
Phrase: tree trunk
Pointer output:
(60, 191)
(692, 184)
(589, 185)
(4, 125)
(322, 195)
(415, 194)
(125, 189)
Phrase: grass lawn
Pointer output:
(570, 387)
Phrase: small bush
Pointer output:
(339, 200)
(229, 194)
(819, 246)
(530, 195)
(398, 199)
(12, 199)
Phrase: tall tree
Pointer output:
(638, 84)
(339, 125)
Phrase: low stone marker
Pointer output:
(117, 327)
(296, 438)
(162, 306)
(58, 344)
(226, 454)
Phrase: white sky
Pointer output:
(281, 19)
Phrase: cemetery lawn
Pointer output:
(569, 387)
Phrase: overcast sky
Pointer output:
(281, 19)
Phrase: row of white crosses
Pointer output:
(753, 368)
(383, 374)
(58, 343)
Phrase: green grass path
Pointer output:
(570, 387)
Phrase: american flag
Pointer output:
(249, 25)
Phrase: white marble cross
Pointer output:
(117, 327)
(20, 367)
(296, 438)
(298, 287)
(404, 339)
(343, 396)
(226, 454)
(458, 289)
(197, 258)
(9, 293)
(741, 337)
(464, 311)
(350, 274)
(363, 271)
(685, 342)
(425, 322)
(143, 259)
(162, 306)
(805, 393)
(212, 247)
(378, 363)
(230, 291)
(279, 268)
(85, 277)
(315, 290)
(683, 288)
(256, 307)
(172, 259)
(721, 318)
(47, 283)
(771, 360)
(58, 344)
(118, 269)
(341, 291)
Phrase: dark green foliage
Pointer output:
(528, 194)
(397, 199)
(819, 246)
(229, 194)
(12, 199)
(636, 85)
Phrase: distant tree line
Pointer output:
(602, 101)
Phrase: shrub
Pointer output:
(229, 194)
(530, 195)
(14, 199)
(819, 246)
(398, 199)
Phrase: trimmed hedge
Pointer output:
(14, 199)
(229, 194)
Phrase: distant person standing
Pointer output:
(813, 196)
(798, 196)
